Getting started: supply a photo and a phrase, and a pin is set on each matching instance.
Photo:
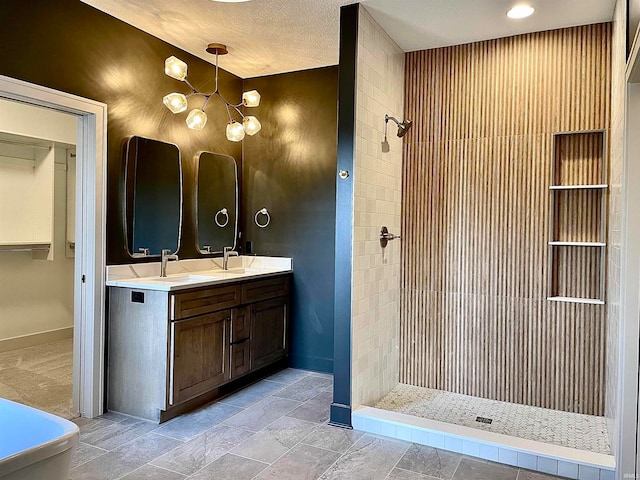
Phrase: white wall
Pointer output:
(36, 296)
(377, 180)
(616, 164)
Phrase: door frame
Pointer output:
(89, 282)
(628, 419)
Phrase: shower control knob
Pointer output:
(386, 237)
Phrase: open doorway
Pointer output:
(37, 256)
(88, 244)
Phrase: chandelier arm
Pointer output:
(189, 84)
(216, 90)
(206, 99)
(228, 112)
(239, 112)
(229, 104)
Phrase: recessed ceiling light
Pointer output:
(520, 11)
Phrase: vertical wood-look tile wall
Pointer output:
(476, 176)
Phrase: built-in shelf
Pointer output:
(578, 244)
(579, 187)
(577, 217)
(593, 301)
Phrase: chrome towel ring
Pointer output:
(265, 212)
(225, 216)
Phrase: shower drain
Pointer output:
(484, 420)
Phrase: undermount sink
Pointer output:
(232, 271)
(185, 278)
(243, 270)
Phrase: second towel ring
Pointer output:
(225, 214)
(262, 211)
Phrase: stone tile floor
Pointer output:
(274, 429)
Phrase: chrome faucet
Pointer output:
(226, 253)
(166, 256)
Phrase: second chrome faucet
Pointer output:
(166, 256)
(226, 253)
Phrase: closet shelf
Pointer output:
(578, 244)
(25, 246)
(579, 187)
(591, 301)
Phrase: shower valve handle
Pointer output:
(385, 237)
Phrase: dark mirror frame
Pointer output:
(196, 206)
(128, 206)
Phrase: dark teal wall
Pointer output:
(290, 169)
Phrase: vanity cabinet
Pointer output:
(168, 350)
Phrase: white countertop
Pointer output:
(195, 272)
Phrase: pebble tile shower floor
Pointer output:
(583, 432)
(274, 429)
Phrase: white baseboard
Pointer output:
(34, 339)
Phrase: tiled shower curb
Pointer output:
(519, 452)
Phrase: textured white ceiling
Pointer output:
(422, 24)
(273, 36)
(263, 36)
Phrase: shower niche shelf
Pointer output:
(578, 201)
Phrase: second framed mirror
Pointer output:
(216, 202)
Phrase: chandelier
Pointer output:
(197, 118)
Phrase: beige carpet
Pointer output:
(40, 377)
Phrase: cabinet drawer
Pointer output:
(265, 289)
(199, 302)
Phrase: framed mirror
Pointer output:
(153, 196)
(217, 202)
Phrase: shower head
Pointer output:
(403, 127)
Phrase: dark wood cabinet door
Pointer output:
(199, 355)
(268, 331)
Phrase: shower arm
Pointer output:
(386, 123)
(388, 117)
